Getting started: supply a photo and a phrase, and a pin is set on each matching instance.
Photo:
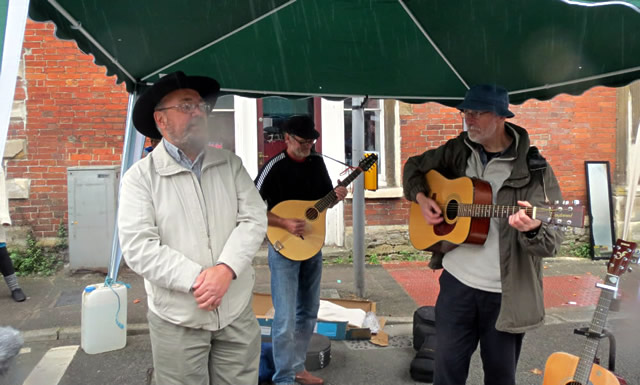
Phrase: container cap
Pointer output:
(89, 289)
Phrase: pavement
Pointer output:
(50, 323)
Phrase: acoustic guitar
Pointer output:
(566, 369)
(314, 213)
(467, 209)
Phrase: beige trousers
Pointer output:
(186, 356)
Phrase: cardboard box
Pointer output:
(334, 330)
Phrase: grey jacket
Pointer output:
(171, 227)
(532, 180)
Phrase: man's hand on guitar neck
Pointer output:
(521, 221)
(430, 209)
(341, 193)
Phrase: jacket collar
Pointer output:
(165, 165)
(520, 173)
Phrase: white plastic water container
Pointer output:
(99, 331)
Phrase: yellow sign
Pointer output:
(371, 175)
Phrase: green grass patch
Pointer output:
(37, 260)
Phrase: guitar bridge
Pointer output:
(278, 246)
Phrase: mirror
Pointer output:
(600, 209)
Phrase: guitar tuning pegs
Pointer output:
(570, 208)
(576, 202)
(569, 222)
(559, 221)
(566, 203)
(630, 269)
(556, 202)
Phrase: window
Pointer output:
(380, 136)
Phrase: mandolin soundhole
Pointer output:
(311, 214)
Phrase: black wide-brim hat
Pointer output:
(147, 102)
(487, 97)
(302, 126)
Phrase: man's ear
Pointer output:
(160, 118)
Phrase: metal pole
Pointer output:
(131, 152)
(357, 152)
(10, 53)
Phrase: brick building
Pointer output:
(67, 112)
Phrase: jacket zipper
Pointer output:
(203, 209)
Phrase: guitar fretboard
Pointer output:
(331, 197)
(487, 211)
(591, 345)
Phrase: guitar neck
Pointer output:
(598, 322)
(491, 211)
(329, 199)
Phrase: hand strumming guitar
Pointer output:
(430, 209)
(294, 226)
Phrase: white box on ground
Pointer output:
(100, 306)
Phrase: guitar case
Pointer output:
(424, 324)
(424, 341)
(423, 364)
(318, 352)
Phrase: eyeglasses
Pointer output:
(473, 114)
(303, 142)
(188, 108)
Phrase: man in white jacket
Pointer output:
(190, 222)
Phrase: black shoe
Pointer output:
(18, 295)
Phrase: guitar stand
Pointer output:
(612, 344)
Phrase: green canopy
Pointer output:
(414, 50)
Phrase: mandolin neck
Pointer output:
(331, 198)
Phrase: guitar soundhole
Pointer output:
(574, 383)
(311, 214)
(452, 210)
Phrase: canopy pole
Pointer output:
(632, 184)
(11, 48)
(433, 44)
(218, 40)
(75, 24)
(131, 153)
(357, 203)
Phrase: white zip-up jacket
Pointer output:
(171, 227)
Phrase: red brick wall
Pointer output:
(567, 129)
(75, 117)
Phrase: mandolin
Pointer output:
(314, 213)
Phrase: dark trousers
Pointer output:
(6, 267)
(464, 317)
